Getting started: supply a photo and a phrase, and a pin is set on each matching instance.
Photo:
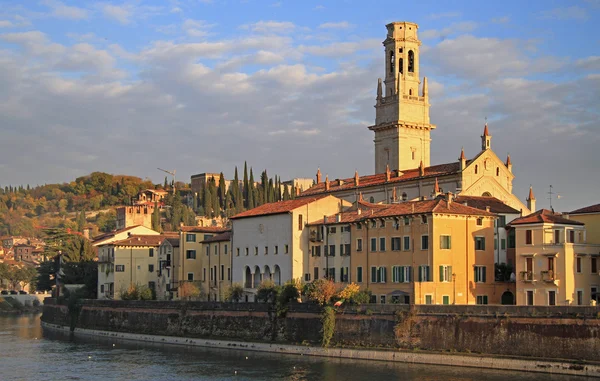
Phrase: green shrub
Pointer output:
(328, 321)
(267, 292)
(234, 293)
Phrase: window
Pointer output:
(372, 200)
(594, 265)
(382, 224)
(307, 277)
(152, 285)
(332, 230)
(423, 219)
(331, 274)
(395, 243)
(266, 250)
(406, 219)
(445, 242)
(359, 275)
(571, 236)
(511, 239)
(316, 273)
(528, 237)
(401, 274)
(445, 273)
(411, 61)
(503, 244)
(445, 299)
(480, 221)
(207, 250)
(286, 247)
(190, 254)
(225, 249)
(480, 243)
(529, 297)
(300, 224)
(358, 226)
(382, 244)
(578, 264)
(151, 268)
(228, 273)
(346, 228)
(119, 268)
(255, 250)
(204, 274)
(332, 250)
(344, 249)
(190, 277)
(424, 242)
(102, 289)
(381, 275)
(501, 221)
(424, 274)
(359, 244)
(151, 252)
(406, 240)
(429, 299)
(551, 298)
(216, 248)
(207, 236)
(246, 251)
(189, 237)
(373, 224)
(316, 251)
(482, 299)
(222, 272)
(382, 299)
(276, 251)
(373, 244)
(579, 297)
(480, 274)
(344, 274)
(476, 168)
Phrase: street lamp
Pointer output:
(454, 287)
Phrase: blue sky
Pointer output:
(200, 86)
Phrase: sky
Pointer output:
(289, 86)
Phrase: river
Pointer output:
(28, 353)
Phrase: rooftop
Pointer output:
(142, 240)
(544, 216)
(225, 236)
(587, 209)
(202, 229)
(481, 202)
(278, 207)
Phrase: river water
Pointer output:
(28, 353)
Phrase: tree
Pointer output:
(81, 221)
(250, 192)
(189, 291)
(222, 191)
(246, 187)
(321, 291)
(234, 293)
(286, 193)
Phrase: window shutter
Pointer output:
(428, 274)
(449, 242)
(449, 273)
(409, 273)
(475, 274)
(384, 274)
(441, 242)
(401, 280)
(441, 273)
(374, 274)
(420, 273)
(483, 268)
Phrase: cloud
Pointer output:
(456, 28)
(121, 14)
(501, 20)
(336, 25)
(319, 8)
(566, 13)
(196, 28)
(589, 63)
(6, 24)
(338, 49)
(61, 10)
(270, 27)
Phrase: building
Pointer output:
(131, 261)
(168, 249)
(24, 252)
(217, 262)
(271, 241)
(188, 266)
(590, 216)
(301, 184)
(198, 181)
(505, 213)
(151, 196)
(402, 142)
(121, 234)
(422, 252)
(133, 215)
(555, 264)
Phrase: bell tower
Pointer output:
(402, 128)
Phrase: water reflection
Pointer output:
(27, 355)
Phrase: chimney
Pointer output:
(421, 169)
(318, 175)
(360, 197)
(508, 163)
(436, 189)
(355, 178)
(338, 217)
(449, 198)
(326, 182)
(297, 190)
(340, 182)
(359, 212)
(398, 173)
(128, 234)
(487, 208)
(531, 200)
(388, 174)
(394, 195)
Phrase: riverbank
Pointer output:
(12, 306)
(411, 357)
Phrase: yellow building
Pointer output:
(422, 252)
(554, 264)
(188, 266)
(217, 263)
(590, 216)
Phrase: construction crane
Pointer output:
(172, 173)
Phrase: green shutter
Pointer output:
(484, 273)
(420, 269)
(475, 273)
(374, 274)
(441, 273)
(401, 269)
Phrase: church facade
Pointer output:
(402, 128)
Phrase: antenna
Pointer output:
(550, 193)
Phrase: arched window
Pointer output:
(372, 200)
(410, 92)
(404, 196)
(392, 61)
(497, 171)
(411, 61)
(401, 65)
(476, 168)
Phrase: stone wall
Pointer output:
(546, 332)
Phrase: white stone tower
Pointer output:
(402, 125)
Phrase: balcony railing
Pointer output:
(315, 236)
(548, 276)
(527, 276)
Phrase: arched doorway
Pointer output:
(277, 275)
(256, 277)
(508, 298)
(248, 278)
(267, 274)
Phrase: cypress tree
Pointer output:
(286, 193)
(81, 221)
(251, 202)
(235, 190)
(214, 192)
(245, 192)
(207, 201)
(222, 191)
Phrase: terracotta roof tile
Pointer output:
(203, 229)
(113, 233)
(226, 236)
(480, 202)
(380, 178)
(544, 216)
(278, 207)
(587, 209)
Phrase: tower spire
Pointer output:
(486, 138)
(531, 200)
(462, 159)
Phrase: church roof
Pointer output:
(481, 202)
(380, 178)
(544, 216)
(587, 209)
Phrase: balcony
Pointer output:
(548, 276)
(527, 276)
(315, 236)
